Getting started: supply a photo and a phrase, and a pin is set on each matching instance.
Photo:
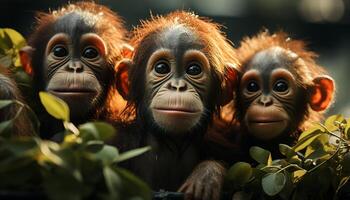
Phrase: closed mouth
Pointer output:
(176, 110)
(73, 90)
(265, 121)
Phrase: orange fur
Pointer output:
(305, 66)
(110, 28)
(218, 48)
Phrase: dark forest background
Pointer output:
(324, 24)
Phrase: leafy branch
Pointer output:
(321, 153)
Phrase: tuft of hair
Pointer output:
(22, 125)
(218, 47)
(304, 65)
(108, 24)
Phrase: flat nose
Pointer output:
(265, 100)
(178, 85)
(75, 66)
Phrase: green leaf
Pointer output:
(5, 103)
(3, 45)
(16, 39)
(318, 148)
(10, 40)
(6, 40)
(113, 182)
(132, 153)
(273, 183)
(287, 150)
(296, 175)
(61, 184)
(133, 187)
(96, 131)
(16, 60)
(347, 128)
(295, 160)
(261, 155)
(94, 146)
(330, 122)
(305, 141)
(107, 154)
(240, 173)
(19, 146)
(6, 128)
(311, 131)
(69, 126)
(55, 106)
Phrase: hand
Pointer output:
(205, 182)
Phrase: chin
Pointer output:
(266, 131)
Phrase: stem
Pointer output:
(288, 166)
(317, 166)
(332, 134)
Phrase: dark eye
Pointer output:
(90, 53)
(194, 69)
(60, 51)
(280, 86)
(162, 68)
(253, 86)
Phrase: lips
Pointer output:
(265, 121)
(73, 90)
(176, 110)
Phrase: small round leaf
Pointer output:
(273, 183)
(261, 155)
(286, 150)
(240, 173)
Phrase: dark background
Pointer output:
(324, 24)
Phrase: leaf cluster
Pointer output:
(316, 167)
(81, 167)
(11, 42)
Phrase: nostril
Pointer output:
(182, 88)
(267, 103)
(170, 86)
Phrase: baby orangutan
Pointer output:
(177, 79)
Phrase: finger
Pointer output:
(215, 194)
(198, 192)
(188, 193)
(207, 193)
(183, 187)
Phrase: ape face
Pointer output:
(75, 67)
(270, 95)
(177, 80)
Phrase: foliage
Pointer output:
(317, 167)
(81, 167)
(11, 42)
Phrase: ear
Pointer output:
(122, 77)
(322, 93)
(127, 51)
(229, 84)
(25, 55)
